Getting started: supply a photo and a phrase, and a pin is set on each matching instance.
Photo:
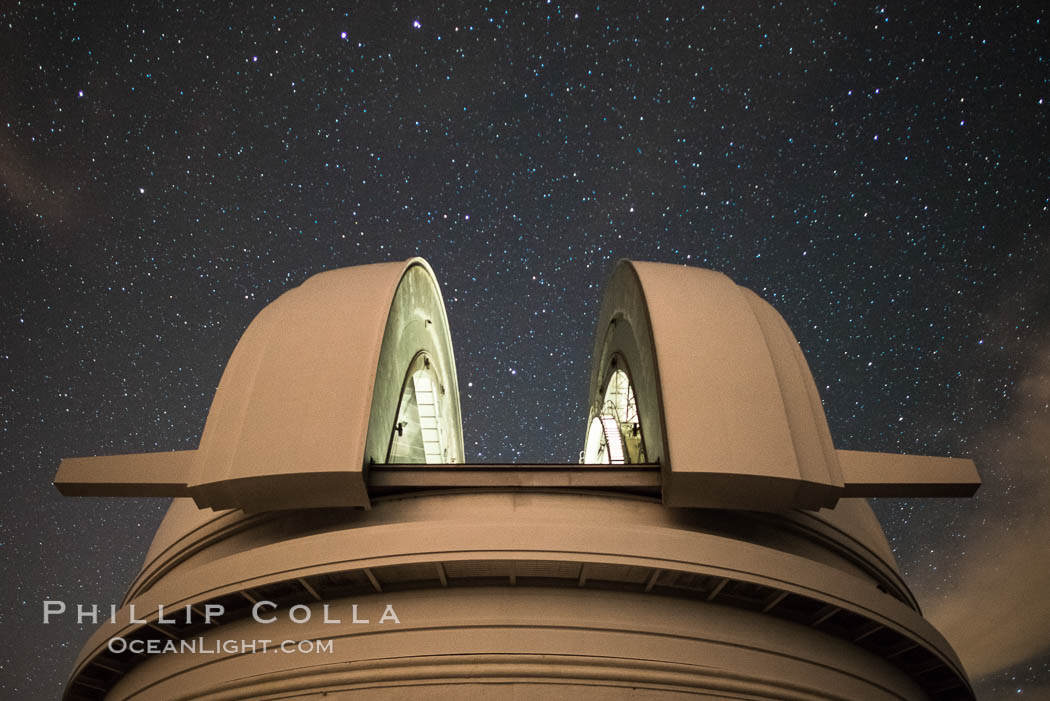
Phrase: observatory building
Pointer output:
(710, 543)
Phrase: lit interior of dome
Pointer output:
(417, 436)
(614, 436)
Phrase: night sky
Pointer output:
(877, 172)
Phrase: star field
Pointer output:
(877, 172)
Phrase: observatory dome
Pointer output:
(709, 543)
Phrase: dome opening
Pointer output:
(614, 436)
(418, 435)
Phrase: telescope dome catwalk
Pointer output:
(711, 542)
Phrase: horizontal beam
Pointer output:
(889, 475)
(136, 475)
(172, 474)
(571, 475)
